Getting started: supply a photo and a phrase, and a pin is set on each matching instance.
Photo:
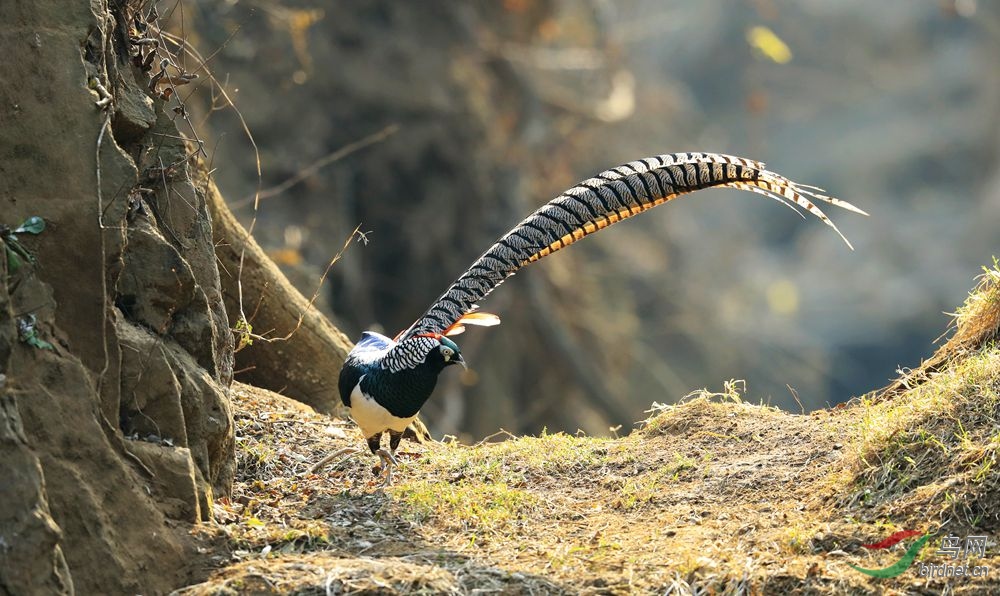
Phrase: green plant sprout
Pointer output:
(16, 253)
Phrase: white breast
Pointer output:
(373, 418)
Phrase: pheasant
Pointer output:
(386, 381)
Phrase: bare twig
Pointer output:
(347, 243)
(324, 161)
(499, 433)
(795, 396)
(182, 44)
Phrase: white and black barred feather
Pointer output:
(594, 204)
(409, 353)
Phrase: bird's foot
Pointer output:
(388, 461)
(347, 452)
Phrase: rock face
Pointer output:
(31, 557)
(123, 430)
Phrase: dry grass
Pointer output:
(713, 495)
(978, 320)
(974, 325)
(934, 450)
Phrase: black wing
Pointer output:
(596, 203)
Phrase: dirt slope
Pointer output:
(715, 494)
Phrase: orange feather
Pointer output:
(482, 319)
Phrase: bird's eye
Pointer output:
(447, 353)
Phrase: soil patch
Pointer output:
(713, 494)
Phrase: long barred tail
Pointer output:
(596, 203)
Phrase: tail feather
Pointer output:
(785, 191)
(605, 199)
(479, 319)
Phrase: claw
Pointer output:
(388, 462)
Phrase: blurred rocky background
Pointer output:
(482, 111)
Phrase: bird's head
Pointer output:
(445, 353)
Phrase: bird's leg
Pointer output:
(375, 446)
(394, 438)
(389, 457)
(386, 458)
(348, 452)
(388, 462)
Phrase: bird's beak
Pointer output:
(461, 361)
